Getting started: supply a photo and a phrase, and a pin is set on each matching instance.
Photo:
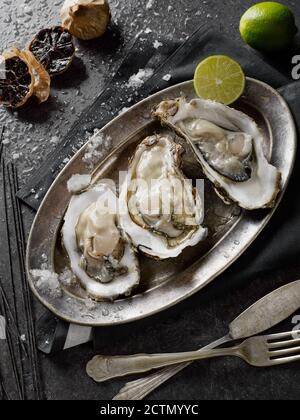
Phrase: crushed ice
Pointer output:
(97, 149)
(67, 278)
(47, 281)
(137, 80)
(78, 182)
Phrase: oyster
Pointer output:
(159, 209)
(100, 255)
(229, 147)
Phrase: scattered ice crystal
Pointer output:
(187, 21)
(148, 31)
(123, 110)
(16, 156)
(167, 77)
(78, 182)
(157, 44)
(149, 4)
(54, 140)
(138, 79)
(27, 171)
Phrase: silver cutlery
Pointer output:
(265, 351)
(264, 314)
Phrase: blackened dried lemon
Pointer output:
(54, 49)
(22, 76)
(16, 79)
(42, 80)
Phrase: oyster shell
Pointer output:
(159, 209)
(229, 147)
(100, 255)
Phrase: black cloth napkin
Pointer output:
(278, 245)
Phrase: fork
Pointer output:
(263, 351)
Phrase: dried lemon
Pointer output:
(54, 49)
(21, 77)
(85, 19)
(42, 80)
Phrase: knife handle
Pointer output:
(103, 368)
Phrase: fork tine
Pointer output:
(284, 352)
(282, 344)
(284, 360)
(280, 336)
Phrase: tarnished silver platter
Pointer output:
(164, 283)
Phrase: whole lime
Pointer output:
(268, 26)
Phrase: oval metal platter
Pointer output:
(165, 283)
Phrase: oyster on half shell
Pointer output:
(229, 147)
(100, 255)
(160, 210)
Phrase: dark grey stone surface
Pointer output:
(31, 133)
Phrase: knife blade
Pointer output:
(267, 312)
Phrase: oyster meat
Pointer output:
(159, 209)
(229, 147)
(100, 255)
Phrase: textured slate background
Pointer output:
(32, 133)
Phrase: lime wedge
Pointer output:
(220, 79)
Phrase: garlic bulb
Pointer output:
(85, 19)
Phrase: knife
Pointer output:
(263, 315)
